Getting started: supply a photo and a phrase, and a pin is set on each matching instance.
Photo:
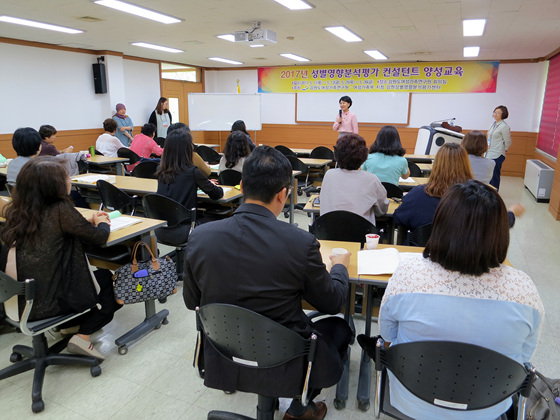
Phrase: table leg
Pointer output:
(293, 197)
(120, 169)
(364, 381)
(152, 321)
(341, 395)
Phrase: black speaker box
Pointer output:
(99, 78)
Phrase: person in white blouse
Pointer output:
(460, 290)
(107, 143)
(499, 141)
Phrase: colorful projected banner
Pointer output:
(475, 76)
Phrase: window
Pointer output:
(179, 72)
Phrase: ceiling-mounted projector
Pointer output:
(256, 34)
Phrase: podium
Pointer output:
(430, 139)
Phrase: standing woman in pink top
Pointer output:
(345, 122)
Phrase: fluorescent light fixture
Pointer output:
(138, 11)
(473, 27)
(157, 47)
(294, 57)
(39, 25)
(471, 51)
(224, 60)
(294, 4)
(256, 45)
(344, 33)
(375, 55)
(227, 37)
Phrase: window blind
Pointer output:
(549, 130)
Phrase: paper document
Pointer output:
(382, 261)
(122, 222)
(91, 179)
(200, 192)
(408, 180)
(215, 167)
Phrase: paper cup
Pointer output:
(372, 240)
(339, 251)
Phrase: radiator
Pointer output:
(538, 179)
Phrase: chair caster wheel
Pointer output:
(37, 406)
(286, 215)
(339, 404)
(16, 357)
(308, 194)
(95, 371)
(353, 339)
(162, 300)
(157, 327)
(363, 406)
(165, 321)
(123, 350)
(300, 193)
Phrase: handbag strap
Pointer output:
(155, 262)
(549, 383)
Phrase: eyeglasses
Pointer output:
(288, 190)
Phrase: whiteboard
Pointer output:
(218, 111)
(369, 107)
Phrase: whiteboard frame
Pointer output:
(252, 120)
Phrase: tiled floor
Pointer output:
(156, 378)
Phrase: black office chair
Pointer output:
(112, 198)
(322, 152)
(419, 236)
(229, 177)
(125, 152)
(145, 169)
(343, 225)
(393, 191)
(208, 154)
(286, 151)
(450, 374)
(40, 355)
(164, 208)
(303, 179)
(250, 339)
(415, 170)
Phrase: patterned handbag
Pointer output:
(145, 280)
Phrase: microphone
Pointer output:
(340, 113)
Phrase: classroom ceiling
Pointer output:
(403, 30)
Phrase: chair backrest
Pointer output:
(10, 287)
(125, 152)
(208, 154)
(393, 191)
(298, 165)
(229, 177)
(158, 206)
(145, 170)
(322, 152)
(250, 339)
(98, 153)
(113, 198)
(286, 151)
(420, 235)
(455, 375)
(341, 225)
(415, 170)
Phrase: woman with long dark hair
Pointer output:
(161, 118)
(179, 179)
(386, 157)
(239, 125)
(49, 235)
(235, 152)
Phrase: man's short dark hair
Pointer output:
(178, 126)
(350, 151)
(470, 230)
(148, 129)
(46, 131)
(26, 141)
(346, 99)
(265, 172)
(110, 125)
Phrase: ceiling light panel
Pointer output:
(138, 11)
(473, 27)
(344, 33)
(225, 60)
(294, 57)
(40, 25)
(227, 37)
(471, 52)
(295, 4)
(157, 47)
(375, 54)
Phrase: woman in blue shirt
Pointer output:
(125, 126)
(386, 157)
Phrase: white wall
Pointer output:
(44, 86)
(520, 88)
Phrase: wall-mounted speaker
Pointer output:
(99, 78)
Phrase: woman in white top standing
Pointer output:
(161, 118)
(499, 141)
(345, 122)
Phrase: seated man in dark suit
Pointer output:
(268, 266)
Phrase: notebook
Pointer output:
(122, 222)
(382, 261)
